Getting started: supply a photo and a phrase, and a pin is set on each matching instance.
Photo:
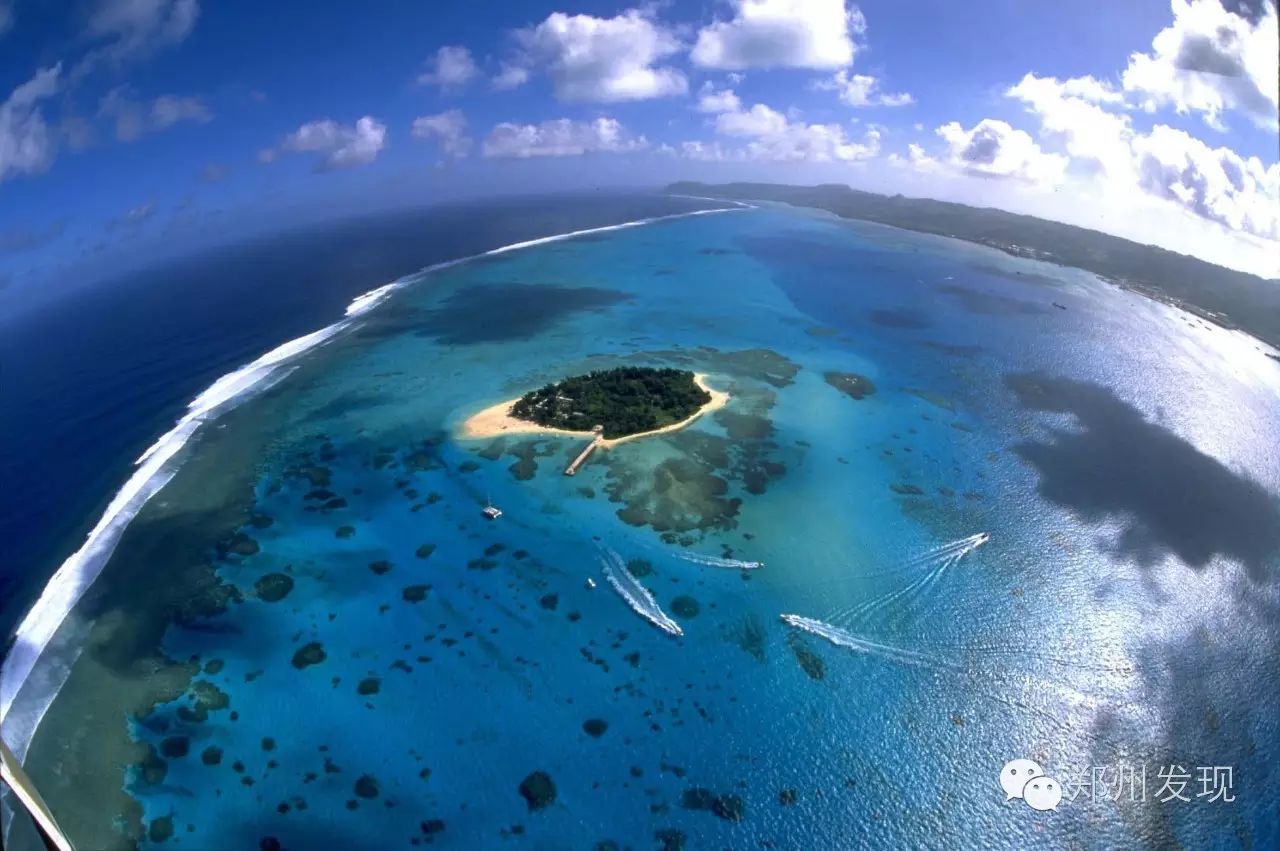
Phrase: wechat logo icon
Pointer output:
(1025, 779)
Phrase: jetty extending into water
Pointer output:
(577, 462)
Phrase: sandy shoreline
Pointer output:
(496, 420)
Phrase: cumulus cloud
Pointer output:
(604, 59)
(781, 34)
(1104, 156)
(862, 90)
(451, 69)
(510, 76)
(134, 118)
(992, 148)
(340, 145)
(771, 136)
(1071, 116)
(759, 120)
(449, 129)
(712, 100)
(1214, 183)
(135, 29)
(26, 144)
(561, 137)
(1211, 60)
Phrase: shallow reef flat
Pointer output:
(314, 638)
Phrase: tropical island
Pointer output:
(624, 403)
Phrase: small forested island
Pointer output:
(626, 400)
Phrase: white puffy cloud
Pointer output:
(772, 136)
(760, 120)
(510, 76)
(1211, 60)
(26, 145)
(862, 90)
(134, 118)
(781, 34)
(1071, 117)
(451, 69)
(712, 100)
(992, 148)
(561, 137)
(447, 128)
(135, 29)
(604, 59)
(341, 145)
(709, 152)
(1214, 183)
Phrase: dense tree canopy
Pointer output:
(625, 400)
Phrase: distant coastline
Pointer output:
(1226, 297)
(496, 421)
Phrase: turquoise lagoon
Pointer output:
(312, 638)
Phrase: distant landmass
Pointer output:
(1229, 298)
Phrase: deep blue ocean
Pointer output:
(91, 379)
(1009, 512)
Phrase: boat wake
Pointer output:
(940, 559)
(637, 596)
(844, 638)
(160, 462)
(716, 561)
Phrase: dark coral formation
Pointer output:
(538, 790)
(273, 587)
(309, 654)
(811, 663)
(415, 593)
(685, 606)
(851, 384)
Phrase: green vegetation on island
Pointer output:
(625, 400)
(1224, 296)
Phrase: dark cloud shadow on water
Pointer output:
(490, 313)
(991, 304)
(1119, 465)
(900, 317)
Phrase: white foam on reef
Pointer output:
(844, 638)
(636, 595)
(158, 464)
(716, 561)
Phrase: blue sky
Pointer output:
(133, 128)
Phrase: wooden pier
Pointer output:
(572, 469)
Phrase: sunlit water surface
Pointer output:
(360, 659)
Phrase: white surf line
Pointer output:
(637, 596)
(709, 198)
(157, 465)
(844, 638)
(716, 561)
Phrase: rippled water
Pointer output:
(313, 634)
